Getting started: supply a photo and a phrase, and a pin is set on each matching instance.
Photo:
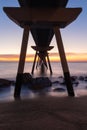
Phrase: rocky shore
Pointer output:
(5, 83)
(40, 83)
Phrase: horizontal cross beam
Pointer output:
(40, 17)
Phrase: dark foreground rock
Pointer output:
(40, 83)
(81, 78)
(26, 78)
(74, 78)
(5, 83)
(85, 78)
(36, 83)
(55, 82)
(76, 83)
(59, 90)
(62, 83)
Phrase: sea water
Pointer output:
(8, 70)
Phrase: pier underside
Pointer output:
(42, 26)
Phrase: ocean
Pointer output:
(8, 70)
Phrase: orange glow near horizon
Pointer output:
(54, 57)
(81, 57)
(71, 57)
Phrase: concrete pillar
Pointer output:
(21, 62)
(49, 64)
(34, 63)
(64, 62)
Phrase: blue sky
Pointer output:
(74, 36)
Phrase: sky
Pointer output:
(74, 36)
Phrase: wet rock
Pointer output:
(76, 83)
(81, 78)
(13, 83)
(40, 83)
(5, 83)
(55, 82)
(60, 77)
(73, 78)
(62, 80)
(35, 83)
(62, 83)
(59, 90)
(85, 79)
(26, 78)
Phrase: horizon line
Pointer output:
(70, 56)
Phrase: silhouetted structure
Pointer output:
(42, 54)
(43, 18)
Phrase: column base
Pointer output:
(18, 85)
(69, 84)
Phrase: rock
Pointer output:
(60, 77)
(40, 83)
(73, 78)
(81, 78)
(5, 83)
(55, 82)
(75, 83)
(26, 78)
(59, 90)
(85, 79)
(35, 83)
(62, 83)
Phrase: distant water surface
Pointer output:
(9, 69)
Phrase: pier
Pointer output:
(34, 16)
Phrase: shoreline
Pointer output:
(58, 89)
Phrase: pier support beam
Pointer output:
(34, 63)
(21, 62)
(49, 64)
(64, 62)
(41, 58)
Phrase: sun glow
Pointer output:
(80, 57)
(54, 57)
